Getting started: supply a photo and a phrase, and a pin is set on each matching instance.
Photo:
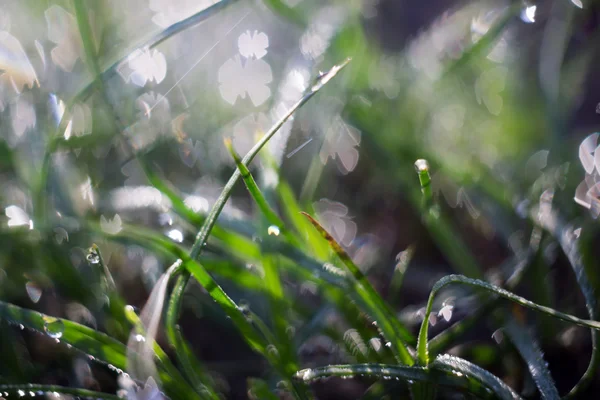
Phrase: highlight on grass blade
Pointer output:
(140, 346)
(533, 357)
(393, 331)
(445, 370)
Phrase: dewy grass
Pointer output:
(288, 248)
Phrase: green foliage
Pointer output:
(255, 273)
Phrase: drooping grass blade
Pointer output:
(422, 346)
(445, 370)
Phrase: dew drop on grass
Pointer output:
(273, 230)
(54, 327)
(93, 257)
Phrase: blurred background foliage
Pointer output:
(496, 95)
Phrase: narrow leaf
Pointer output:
(387, 322)
(533, 357)
(422, 346)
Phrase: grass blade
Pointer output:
(200, 273)
(565, 235)
(387, 322)
(533, 357)
(96, 344)
(458, 366)
(258, 197)
(440, 228)
(422, 345)
(26, 389)
(446, 370)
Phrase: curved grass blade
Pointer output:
(34, 389)
(458, 366)
(422, 346)
(533, 357)
(446, 370)
(387, 322)
(565, 234)
(96, 344)
(200, 273)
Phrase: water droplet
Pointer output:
(273, 230)
(21, 327)
(93, 257)
(176, 235)
(140, 338)
(54, 327)
(528, 14)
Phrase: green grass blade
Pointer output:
(459, 366)
(26, 389)
(96, 344)
(446, 370)
(220, 203)
(440, 228)
(259, 198)
(292, 211)
(565, 235)
(100, 346)
(533, 357)
(387, 322)
(422, 346)
(200, 273)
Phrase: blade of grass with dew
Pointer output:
(440, 229)
(387, 322)
(259, 198)
(531, 353)
(98, 345)
(566, 237)
(204, 278)
(142, 348)
(459, 367)
(25, 389)
(444, 340)
(446, 370)
(422, 345)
